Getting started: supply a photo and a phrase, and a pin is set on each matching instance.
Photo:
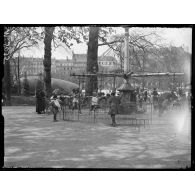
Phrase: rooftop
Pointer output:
(80, 57)
(83, 58)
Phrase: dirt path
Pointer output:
(33, 140)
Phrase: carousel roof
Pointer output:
(125, 87)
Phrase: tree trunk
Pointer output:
(92, 61)
(7, 77)
(19, 85)
(47, 59)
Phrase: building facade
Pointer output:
(28, 65)
(105, 63)
(79, 62)
(60, 67)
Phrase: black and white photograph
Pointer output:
(97, 97)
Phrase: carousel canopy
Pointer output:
(126, 87)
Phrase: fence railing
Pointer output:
(101, 115)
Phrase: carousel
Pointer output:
(127, 91)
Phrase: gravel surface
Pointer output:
(35, 141)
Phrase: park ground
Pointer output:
(35, 141)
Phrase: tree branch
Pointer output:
(108, 43)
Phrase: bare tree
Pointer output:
(140, 45)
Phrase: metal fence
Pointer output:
(100, 115)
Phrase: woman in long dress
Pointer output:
(40, 101)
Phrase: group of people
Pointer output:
(166, 100)
(113, 102)
(42, 103)
(159, 101)
(56, 102)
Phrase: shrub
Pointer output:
(23, 100)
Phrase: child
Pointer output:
(75, 101)
(55, 102)
(94, 101)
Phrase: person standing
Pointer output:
(141, 99)
(155, 98)
(145, 95)
(55, 103)
(173, 96)
(79, 102)
(94, 101)
(114, 102)
(40, 101)
(37, 97)
(75, 101)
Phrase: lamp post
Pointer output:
(126, 57)
(127, 105)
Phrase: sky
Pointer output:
(170, 36)
(178, 37)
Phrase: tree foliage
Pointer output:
(94, 36)
(140, 45)
(19, 38)
(16, 39)
(145, 48)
